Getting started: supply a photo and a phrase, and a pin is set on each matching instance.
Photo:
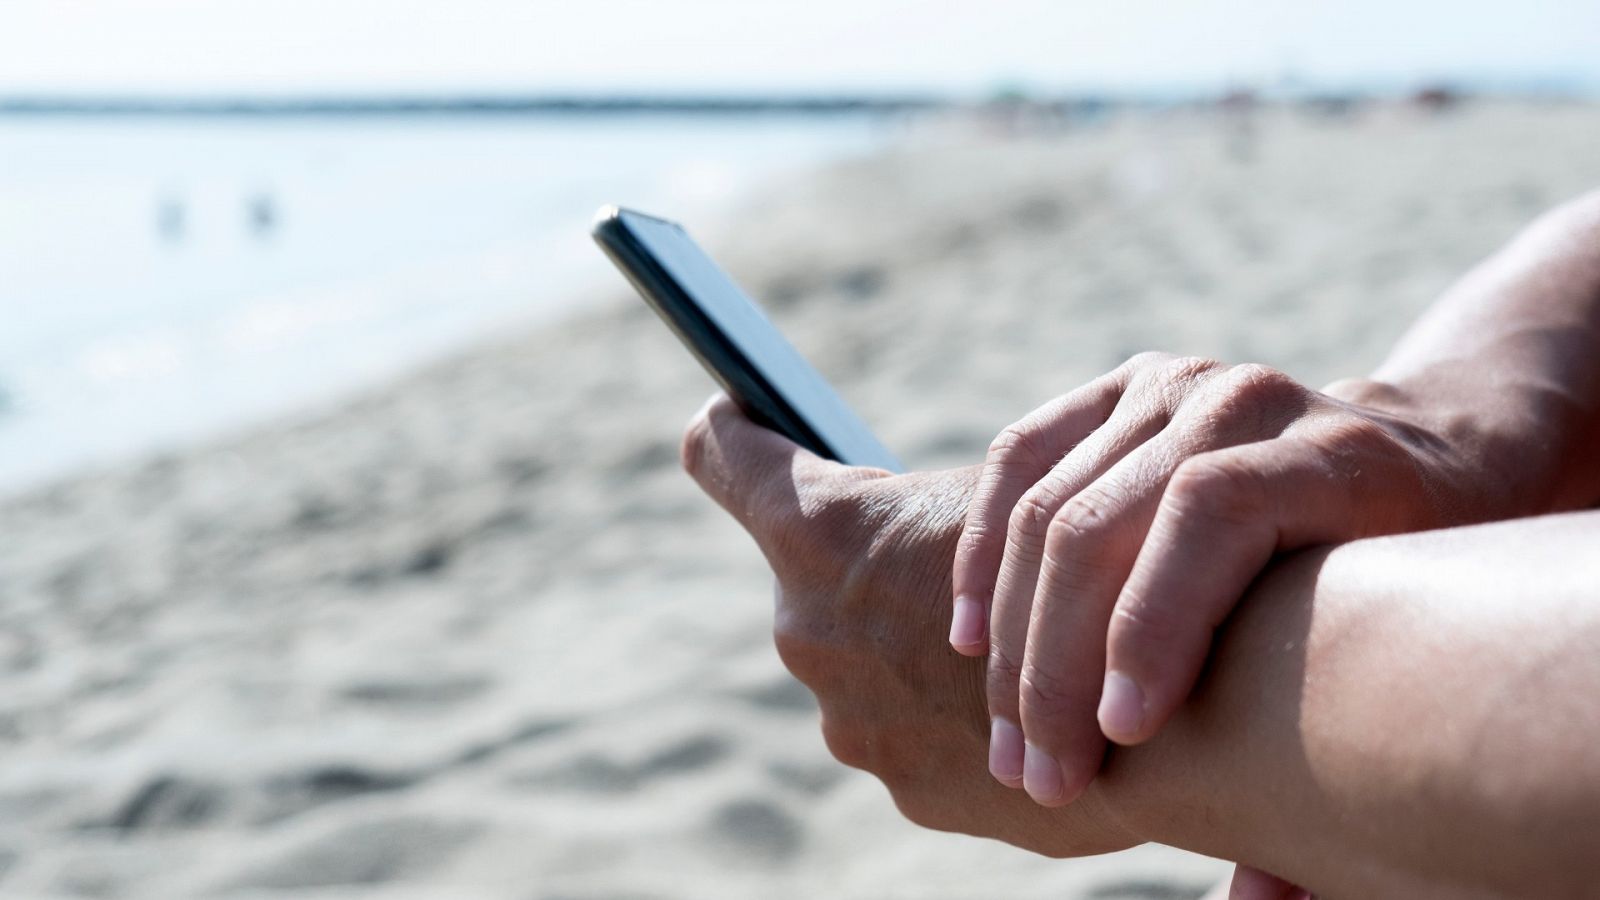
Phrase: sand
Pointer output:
(474, 635)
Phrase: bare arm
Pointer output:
(1511, 357)
(1423, 733)
(1412, 716)
(1408, 716)
(1115, 527)
(1399, 717)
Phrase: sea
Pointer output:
(167, 279)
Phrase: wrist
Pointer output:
(1492, 449)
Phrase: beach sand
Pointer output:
(475, 635)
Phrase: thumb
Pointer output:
(754, 473)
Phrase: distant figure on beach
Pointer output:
(1348, 637)
(1438, 98)
(171, 221)
(1334, 105)
(261, 213)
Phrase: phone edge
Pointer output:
(673, 306)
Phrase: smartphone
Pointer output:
(733, 338)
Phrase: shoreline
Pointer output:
(175, 339)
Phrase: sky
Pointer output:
(752, 46)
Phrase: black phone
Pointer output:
(733, 339)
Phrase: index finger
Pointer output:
(1022, 455)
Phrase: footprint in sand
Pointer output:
(413, 694)
(598, 773)
(757, 830)
(166, 802)
(372, 852)
(1147, 890)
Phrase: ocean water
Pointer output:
(163, 280)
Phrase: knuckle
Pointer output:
(1182, 371)
(978, 529)
(1258, 373)
(928, 805)
(807, 636)
(1087, 515)
(975, 536)
(1354, 447)
(1138, 623)
(1031, 517)
(846, 744)
(1354, 434)
(1257, 382)
(1250, 400)
(1360, 390)
(1045, 696)
(696, 440)
(1017, 443)
(1217, 488)
(798, 652)
(1149, 359)
(1004, 674)
(920, 810)
(1164, 383)
(978, 551)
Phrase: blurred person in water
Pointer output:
(1347, 636)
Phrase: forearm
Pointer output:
(1409, 716)
(1414, 716)
(1507, 363)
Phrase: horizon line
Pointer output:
(776, 101)
(352, 103)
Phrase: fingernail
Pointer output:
(966, 625)
(1041, 776)
(1005, 752)
(1121, 707)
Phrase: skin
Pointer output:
(1140, 507)
(1395, 717)
(1114, 529)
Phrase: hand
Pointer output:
(1114, 528)
(862, 560)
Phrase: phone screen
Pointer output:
(734, 339)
